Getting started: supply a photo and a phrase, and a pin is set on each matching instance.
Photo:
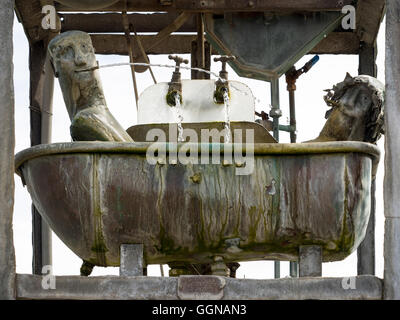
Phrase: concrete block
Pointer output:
(131, 260)
(392, 259)
(7, 143)
(310, 261)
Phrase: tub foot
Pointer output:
(233, 266)
(131, 260)
(219, 267)
(86, 268)
(310, 261)
(180, 269)
(216, 268)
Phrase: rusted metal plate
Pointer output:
(97, 196)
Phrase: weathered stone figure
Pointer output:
(91, 120)
(357, 110)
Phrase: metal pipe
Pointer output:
(292, 109)
(275, 113)
(277, 269)
(310, 261)
(47, 106)
(46, 133)
(291, 78)
(292, 112)
(293, 269)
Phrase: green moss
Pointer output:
(167, 244)
(99, 245)
(347, 238)
(196, 178)
(171, 97)
(219, 94)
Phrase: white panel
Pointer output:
(197, 103)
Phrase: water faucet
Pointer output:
(175, 86)
(221, 85)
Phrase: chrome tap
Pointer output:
(175, 86)
(221, 85)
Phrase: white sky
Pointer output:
(118, 88)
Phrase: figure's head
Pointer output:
(360, 102)
(72, 51)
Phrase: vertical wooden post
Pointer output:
(366, 250)
(41, 92)
(391, 279)
(7, 144)
(200, 52)
(201, 61)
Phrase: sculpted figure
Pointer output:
(91, 120)
(356, 112)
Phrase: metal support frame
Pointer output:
(309, 255)
(392, 153)
(310, 261)
(41, 101)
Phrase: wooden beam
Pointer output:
(207, 61)
(29, 13)
(165, 32)
(116, 44)
(223, 5)
(112, 22)
(335, 43)
(338, 43)
(369, 16)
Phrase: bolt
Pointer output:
(196, 178)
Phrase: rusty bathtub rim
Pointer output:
(141, 148)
